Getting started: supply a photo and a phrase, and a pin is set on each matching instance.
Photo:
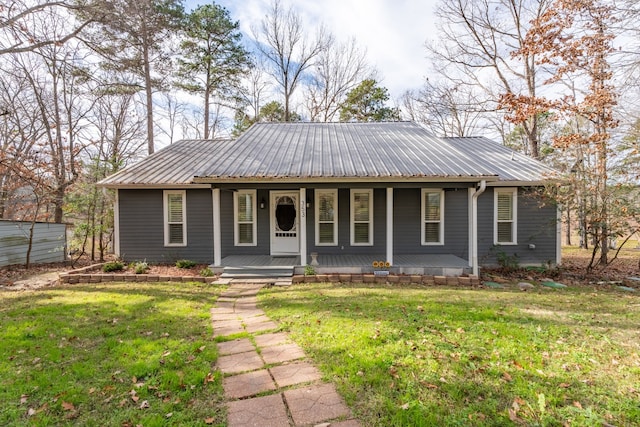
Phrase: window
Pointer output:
(244, 208)
(432, 217)
(326, 217)
(506, 212)
(175, 221)
(361, 217)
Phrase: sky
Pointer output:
(393, 31)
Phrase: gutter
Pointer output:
(474, 226)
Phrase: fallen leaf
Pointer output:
(169, 415)
(405, 406)
(122, 403)
(420, 308)
(577, 404)
(517, 365)
(92, 390)
(513, 415)
(564, 385)
(166, 353)
(68, 406)
(23, 399)
(201, 349)
(507, 377)
(209, 378)
(31, 412)
(208, 420)
(144, 404)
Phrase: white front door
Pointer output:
(285, 238)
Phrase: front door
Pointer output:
(284, 223)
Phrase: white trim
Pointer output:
(116, 225)
(470, 212)
(514, 212)
(352, 215)
(254, 221)
(217, 228)
(333, 180)
(165, 203)
(440, 221)
(334, 193)
(390, 225)
(558, 235)
(474, 227)
(302, 238)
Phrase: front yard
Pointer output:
(109, 355)
(441, 356)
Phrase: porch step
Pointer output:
(254, 272)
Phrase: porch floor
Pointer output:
(434, 264)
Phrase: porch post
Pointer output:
(217, 246)
(116, 224)
(389, 225)
(303, 226)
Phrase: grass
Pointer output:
(109, 355)
(463, 357)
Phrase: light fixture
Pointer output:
(262, 203)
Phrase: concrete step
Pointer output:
(254, 272)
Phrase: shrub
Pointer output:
(309, 270)
(140, 267)
(206, 272)
(112, 266)
(185, 263)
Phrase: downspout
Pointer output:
(474, 226)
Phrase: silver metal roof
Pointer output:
(308, 152)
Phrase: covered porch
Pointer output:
(425, 264)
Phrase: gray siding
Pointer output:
(263, 246)
(536, 225)
(49, 242)
(142, 227)
(407, 227)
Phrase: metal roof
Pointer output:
(308, 152)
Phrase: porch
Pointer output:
(433, 265)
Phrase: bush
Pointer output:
(206, 272)
(113, 266)
(185, 263)
(140, 267)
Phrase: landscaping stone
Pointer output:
(266, 411)
(524, 286)
(295, 373)
(322, 278)
(315, 404)
(262, 326)
(415, 278)
(428, 280)
(240, 362)
(368, 278)
(269, 340)
(440, 280)
(249, 384)
(452, 281)
(345, 278)
(404, 279)
(297, 279)
(356, 278)
(234, 347)
(282, 353)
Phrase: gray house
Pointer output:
(340, 196)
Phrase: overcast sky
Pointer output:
(393, 31)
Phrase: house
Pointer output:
(339, 196)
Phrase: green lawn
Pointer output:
(442, 356)
(109, 355)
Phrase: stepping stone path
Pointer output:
(269, 383)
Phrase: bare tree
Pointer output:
(280, 38)
(446, 111)
(19, 35)
(475, 45)
(338, 69)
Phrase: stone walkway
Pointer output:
(267, 380)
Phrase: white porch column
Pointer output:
(389, 257)
(217, 245)
(303, 226)
(116, 224)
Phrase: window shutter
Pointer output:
(361, 206)
(175, 208)
(326, 209)
(245, 207)
(505, 207)
(432, 207)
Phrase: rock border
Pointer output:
(85, 275)
(415, 279)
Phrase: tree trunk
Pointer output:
(149, 97)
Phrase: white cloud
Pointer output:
(393, 31)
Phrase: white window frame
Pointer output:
(514, 210)
(165, 206)
(424, 221)
(352, 216)
(334, 193)
(236, 222)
